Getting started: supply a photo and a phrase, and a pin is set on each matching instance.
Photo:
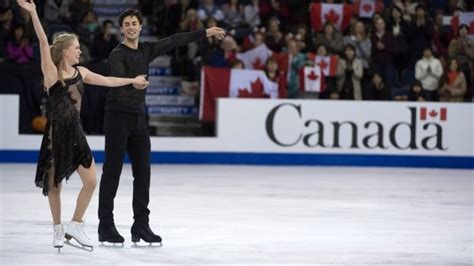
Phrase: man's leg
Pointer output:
(116, 133)
(138, 149)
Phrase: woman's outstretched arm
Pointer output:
(97, 79)
(48, 68)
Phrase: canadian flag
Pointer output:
(255, 58)
(328, 64)
(367, 8)
(312, 79)
(232, 83)
(464, 18)
(338, 14)
(433, 114)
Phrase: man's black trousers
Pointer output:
(125, 132)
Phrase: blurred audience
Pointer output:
(409, 50)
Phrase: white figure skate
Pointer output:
(76, 230)
(58, 237)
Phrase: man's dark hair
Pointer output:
(130, 12)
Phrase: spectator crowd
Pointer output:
(408, 50)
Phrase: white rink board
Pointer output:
(242, 128)
(248, 123)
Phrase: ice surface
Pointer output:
(249, 215)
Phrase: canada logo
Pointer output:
(440, 114)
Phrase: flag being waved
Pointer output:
(367, 8)
(466, 18)
(255, 58)
(328, 64)
(338, 14)
(312, 79)
(232, 83)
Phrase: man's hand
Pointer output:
(215, 31)
(140, 83)
(139, 87)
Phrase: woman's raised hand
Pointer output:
(27, 5)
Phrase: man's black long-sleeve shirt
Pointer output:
(129, 63)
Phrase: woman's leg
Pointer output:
(54, 198)
(89, 181)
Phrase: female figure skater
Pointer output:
(64, 148)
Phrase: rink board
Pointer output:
(299, 132)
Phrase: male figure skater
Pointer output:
(125, 125)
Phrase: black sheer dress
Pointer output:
(64, 146)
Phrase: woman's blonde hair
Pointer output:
(60, 43)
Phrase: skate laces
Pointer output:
(58, 233)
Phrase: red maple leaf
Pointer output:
(471, 27)
(367, 8)
(323, 64)
(257, 91)
(433, 113)
(257, 64)
(332, 16)
(312, 76)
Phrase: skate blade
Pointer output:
(147, 245)
(111, 245)
(79, 245)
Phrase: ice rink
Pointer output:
(254, 215)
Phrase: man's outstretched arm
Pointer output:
(164, 45)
